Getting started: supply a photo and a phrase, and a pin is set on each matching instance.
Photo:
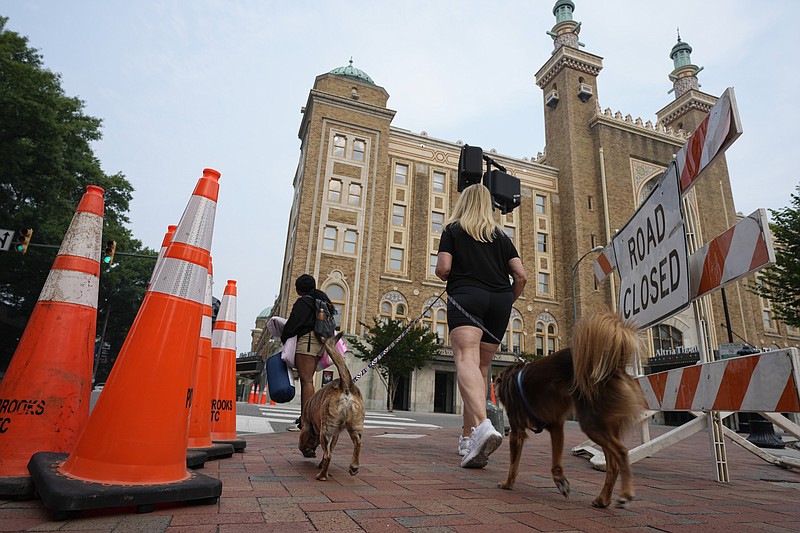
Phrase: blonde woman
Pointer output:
(476, 259)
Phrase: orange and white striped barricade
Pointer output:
(223, 372)
(44, 397)
(200, 414)
(742, 249)
(132, 451)
(762, 383)
(766, 383)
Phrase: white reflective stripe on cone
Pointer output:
(180, 278)
(197, 223)
(70, 286)
(83, 238)
(224, 339)
(206, 327)
(227, 313)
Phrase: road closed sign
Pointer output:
(652, 258)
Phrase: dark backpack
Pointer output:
(324, 323)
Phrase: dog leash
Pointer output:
(392, 344)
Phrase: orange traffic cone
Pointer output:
(223, 372)
(44, 397)
(200, 414)
(494, 398)
(164, 245)
(252, 398)
(132, 450)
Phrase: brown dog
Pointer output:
(336, 406)
(591, 379)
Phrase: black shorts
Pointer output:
(490, 309)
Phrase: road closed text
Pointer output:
(656, 285)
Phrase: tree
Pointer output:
(780, 283)
(415, 350)
(45, 147)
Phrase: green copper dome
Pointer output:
(265, 313)
(352, 72)
(563, 10)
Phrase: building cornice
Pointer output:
(421, 147)
(691, 100)
(648, 129)
(316, 97)
(568, 57)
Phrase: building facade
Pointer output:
(370, 201)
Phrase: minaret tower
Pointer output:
(690, 105)
(569, 82)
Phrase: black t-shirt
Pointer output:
(475, 263)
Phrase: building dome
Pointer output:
(265, 313)
(352, 72)
(568, 4)
(680, 46)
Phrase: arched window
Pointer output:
(512, 340)
(546, 334)
(435, 319)
(336, 293)
(666, 338)
(393, 306)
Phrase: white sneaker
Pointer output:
(484, 440)
(463, 445)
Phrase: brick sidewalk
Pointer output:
(415, 484)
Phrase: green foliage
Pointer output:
(412, 352)
(780, 283)
(45, 147)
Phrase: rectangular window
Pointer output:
(335, 191)
(438, 181)
(434, 259)
(359, 148)
(539, 345)
(541, 242)
(339, 145)
(399, 215)
(401, 174)
(396, 258)
(590, 203)
(508, 230)
(544, 283)
(437, 221)
(541, 204)
(329, 238)
(767, 320)
(354, 196)
(350, 241)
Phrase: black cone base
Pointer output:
(65, 495)
(217, 450)
(762, 434)
(196, 458)
(238, 444)
(16, 487)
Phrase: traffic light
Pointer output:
(108, 253)
(23, 240)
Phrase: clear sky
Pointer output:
(182, 85)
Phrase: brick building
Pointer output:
(370, 200)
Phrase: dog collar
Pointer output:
(538, 424)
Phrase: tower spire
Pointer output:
(566, 30)
(684, 73)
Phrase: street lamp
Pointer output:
(575, 269)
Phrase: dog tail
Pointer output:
(603, 345)
(344, 372)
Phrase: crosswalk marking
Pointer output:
(288, 414)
